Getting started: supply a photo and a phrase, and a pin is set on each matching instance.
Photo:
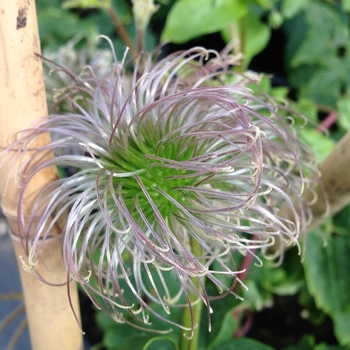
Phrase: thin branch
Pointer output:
(122, 32)
(328, 121)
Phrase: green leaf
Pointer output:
(85, 4)
(346, 5)
(321, 84)
(119, 336)
(320, 143)
(50, 17)
(267, 280)
(344, 112)
(308, 109)
(306, 343)
(188, 19)
(327, 29)
(123, 336)
(221, 311)
(342, 326)
(160, 343)
(275, 19)
(266, 4)
(310, 312)
(327, 271)
(290, 8)
(256, 296)
(324, 346)
(243, 344)
(229, 325)
(318, 52)
(257, 35)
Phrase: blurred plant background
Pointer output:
(303, 49)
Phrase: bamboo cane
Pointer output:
(52, 324)
(332, 191)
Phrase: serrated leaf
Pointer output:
(320, 84)
(188, 19)
(327, 29)
(318, 53)
(327, 271)
(243, 344)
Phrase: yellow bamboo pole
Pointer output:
(52, 325)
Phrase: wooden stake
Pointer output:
(332, 192)
(52, 324)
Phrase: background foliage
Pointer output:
(305, 45)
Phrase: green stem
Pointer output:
(185, 343)
(243, 34)
(238, 33)
(140, 40)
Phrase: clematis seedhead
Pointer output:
(180, 167)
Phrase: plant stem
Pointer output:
(187, 321)
(140, 39)
(122, 32)
(328, 122)
(191, 344)
(243, 35)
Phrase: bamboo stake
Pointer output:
(332, 191)
(52, 324)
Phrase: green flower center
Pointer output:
(157, 166)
